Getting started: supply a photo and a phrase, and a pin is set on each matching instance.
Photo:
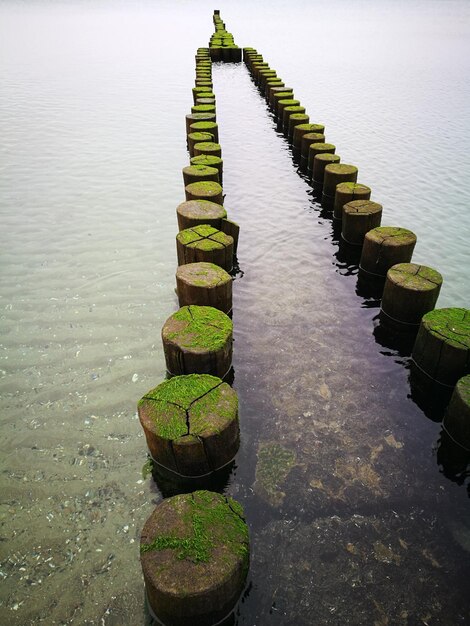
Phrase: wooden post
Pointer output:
(294, 120)
(198, 340)
(198, 173)
(191, 424)
(315, 148)
(281, 93)
(194, 138)
(205, 190)
(359, 216)
(457, 417)
(347, 192)
(385, 246)
(205, 243)
(203, 108)
(271, 83)
(198, 117)
(442, 347)
(206, 127)
(204, 284)
(198, 212)
(205, 101)
(336, 173)
(320, 161)
(307, 129)
(195, 557)
(210, 160)
(410, 291)
(281, 104)
(207, 147)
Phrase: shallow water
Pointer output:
(351, 517)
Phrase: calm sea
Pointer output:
(358, 508)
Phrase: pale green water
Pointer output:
(363, 528)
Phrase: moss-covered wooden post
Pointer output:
(287, 111)
(271, 82)
(203, 108)
(281, 105)
(410, 291)
(457, 417)
(385, 246)
(320, 161)
(208, 147)
(301, 130)
(442, 347)
(205, 244)
(198, 117)
(347, 192)
(194, 138)
(294, 120)
(317, 148)
(279, 97)
(206, 127)
(205, 190)
(195, 558)
(336, 173)
(199, 173)
(191, 424)
(281, 89)
(206, 93)
(359, 216)
(204, 284)
(204, 101)
(210, 160)
(198, 340)
(197, 212)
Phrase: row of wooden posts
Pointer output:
(195, 546)
(441, 351)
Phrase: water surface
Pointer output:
(352, 519)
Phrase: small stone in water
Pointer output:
(135, 378)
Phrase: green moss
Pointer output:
(206, 159)
(342, 168)
(282, 95)
(352, 187)
(203, 126)
(298, 116)
(209, 145)
(416, 277)
(326, 157)
(206, 328)
(204, 230)
(147, 468)
(463, 388)
(200, 137)
(274, 464)
(452, 324)
(203, 108)
(321, 147)
(308, 128)
(187, 236)
(183, 390)
(213, 522)
(224, 404)
(200, 170)
(289, 103)
(204, 188)
(207, 245)
(294, 109)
